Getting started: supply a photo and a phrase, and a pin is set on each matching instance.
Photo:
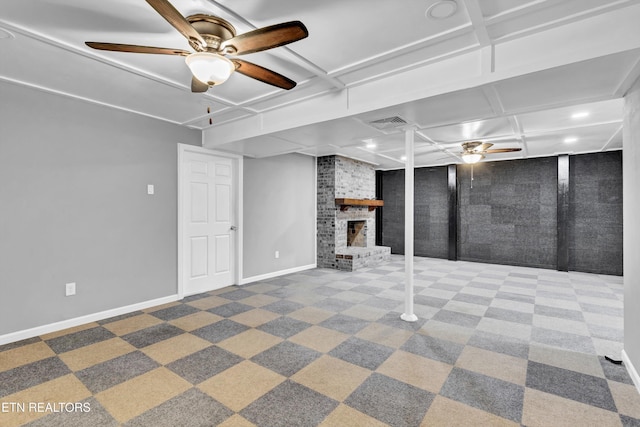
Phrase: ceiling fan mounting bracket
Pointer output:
(213, 30)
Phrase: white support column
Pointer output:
(408, 314)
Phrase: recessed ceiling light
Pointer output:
(371, 145)
(442, 9)
(580, 115)
(403, 158)
(570, 140)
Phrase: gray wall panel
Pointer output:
(75, 207)
(508, 217)
(431, 212)
(595, 213)
(279, 214)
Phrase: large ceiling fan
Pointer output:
(475, 151)
(213, 38)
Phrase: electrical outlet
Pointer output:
(277, 254)
(70, 289)
(151, 189)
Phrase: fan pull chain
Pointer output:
(471, 175)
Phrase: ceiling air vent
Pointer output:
(388, 123)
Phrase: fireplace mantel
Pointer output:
(346, 203)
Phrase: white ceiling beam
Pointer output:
(629, 79)
(512, 13)
(610, 141)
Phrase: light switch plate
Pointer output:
(150, 189)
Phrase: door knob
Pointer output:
(233, 228)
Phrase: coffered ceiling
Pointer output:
(543, 75)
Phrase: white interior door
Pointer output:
(208, 217)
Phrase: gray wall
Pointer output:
(595, 213)
(279, 214)
(73, 179)
(509, 216)
(431, 215)
(631, 212)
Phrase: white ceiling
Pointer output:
(510, 72)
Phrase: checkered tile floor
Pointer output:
(495, 345)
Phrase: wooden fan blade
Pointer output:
(483, 147)
(266, 38)
(179, 22)
(197, 86)
(264, 75)
(117, 47)
(503, 150)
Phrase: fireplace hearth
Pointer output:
(346, 215)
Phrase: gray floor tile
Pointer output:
(500, 344)
(433, 348)
(473, 299)
(602, 309)
(219, 331)
(115, 371)
(583, 388)
(333, 304)
(23, 377)
(231, 309)
(282, 292)
(606, 333)
(558, 312)
(615, 372)
(446, 287)
(174, 312)
(390, 401)
(284, 327)
(509, 315)
(346, 324)
(456, 318)
(327, 291)
(379, 302)
(79, 339)
(289, 404)
(363, 353)
(283, 307)
(286, 358)
(201, 411)
(489, 394)
(430, 301)
(629, 422)
(204, 364)
(237, 294)
(564, 340)
(529, 299)
(152, 335)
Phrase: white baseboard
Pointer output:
(631, 369)
(77, 321)
(277, 273)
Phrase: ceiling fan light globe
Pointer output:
(471, 158)
(210, 68)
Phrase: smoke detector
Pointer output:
(442, 9)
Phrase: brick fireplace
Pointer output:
(345, 187)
